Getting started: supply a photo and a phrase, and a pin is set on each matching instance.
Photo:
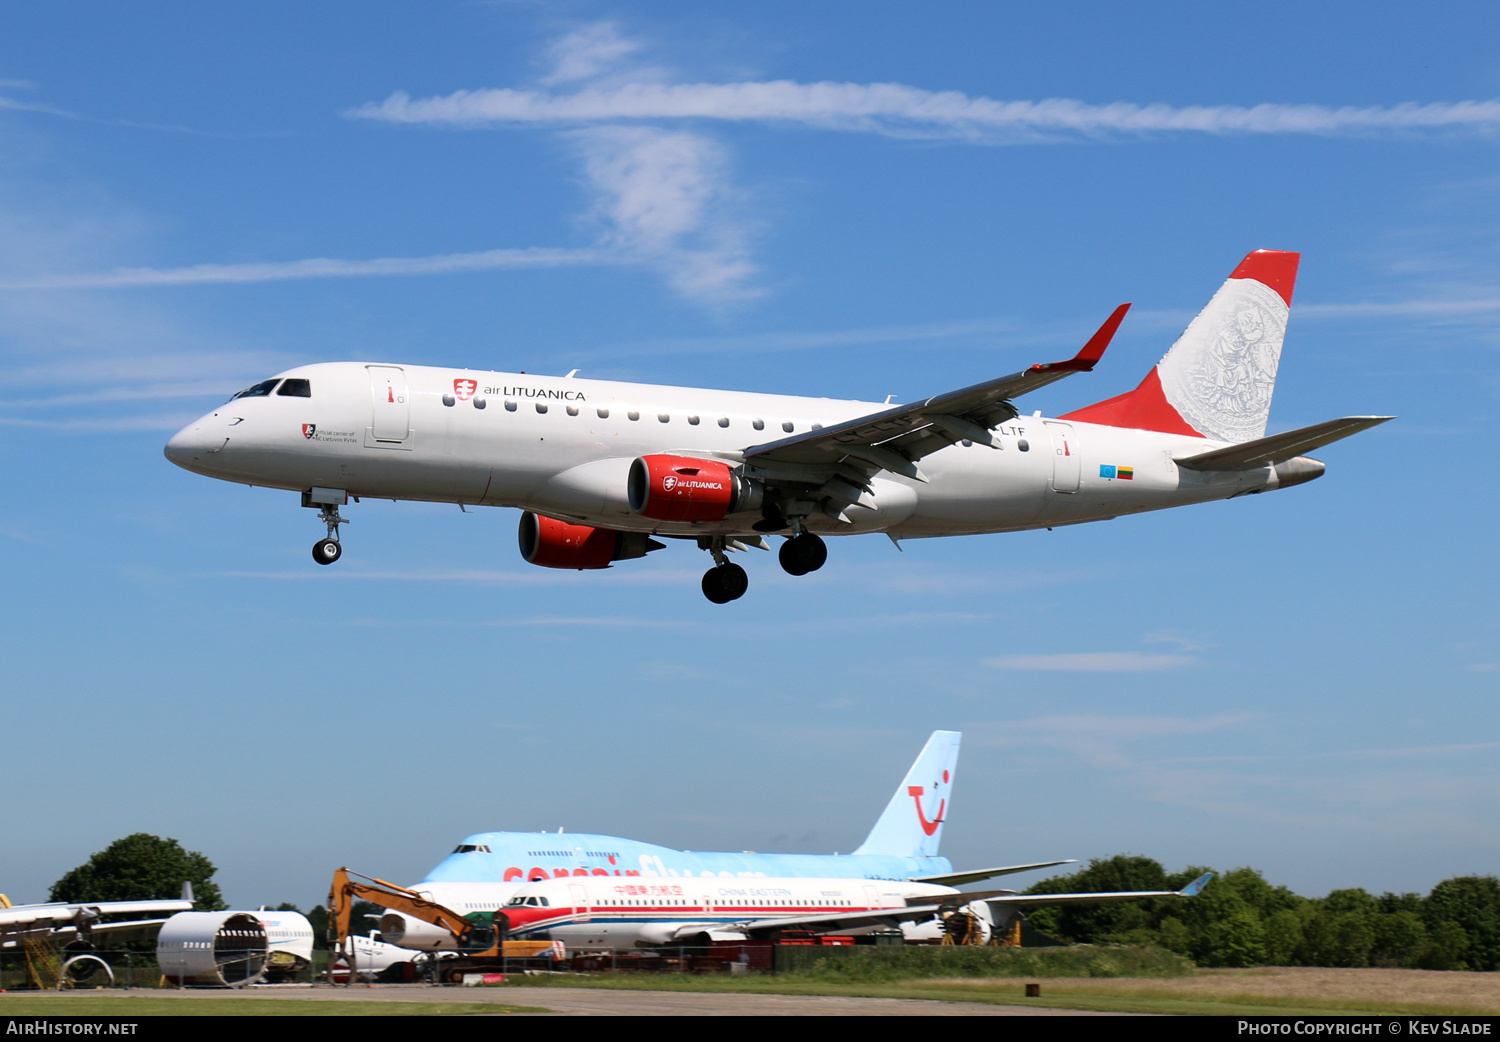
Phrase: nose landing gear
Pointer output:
(328, 550)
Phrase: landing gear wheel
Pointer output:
(806, 553)
(727, 582)
(326, 551)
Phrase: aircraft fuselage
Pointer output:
(563, 447)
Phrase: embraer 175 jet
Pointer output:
(600, 468)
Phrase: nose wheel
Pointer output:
(802, 554)
(328, 550)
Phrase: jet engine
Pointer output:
(551, 543)
(685, 488)
(213, 949)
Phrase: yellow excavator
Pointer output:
(482, 946)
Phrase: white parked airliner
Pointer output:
(600, 468)
(591, 914)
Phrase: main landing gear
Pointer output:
(724, 582)
(803, 553)
(328, 550)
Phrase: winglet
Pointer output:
(1092, 351)
(187, 891)
(1195, 888)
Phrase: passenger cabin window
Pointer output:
(693, 421)
(541, 407)
(663, 417)
(260, 390)
(759, 425)
(296, 388)
(603, 413)
(572, 410)
(633, 414)
(788, 427)
(510, 405)
(723, 421)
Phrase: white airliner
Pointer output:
(613, 914)
(600, 468)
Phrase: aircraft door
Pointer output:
(1066, 463)
(580, 897)
(391, 421)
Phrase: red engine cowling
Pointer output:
(551, 543)
(684, 488)
(557, 544)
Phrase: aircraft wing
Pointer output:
(1014, 900)
(39, 916)
(832, 922)
(1279, 448)
(119, 933)
(960, 878)
(895, 438)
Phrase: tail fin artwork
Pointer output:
(912, 825)
(1217, 379)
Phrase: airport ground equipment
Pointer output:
(480, 939)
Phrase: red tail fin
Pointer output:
(1217, 379)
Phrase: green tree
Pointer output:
(141, 867)
(1087, 924)
(1236, 940)
(1473, 903)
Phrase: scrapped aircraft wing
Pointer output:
(961, 878)
(40, 916)
(1278, 448)
(895, 438)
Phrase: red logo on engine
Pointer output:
(463, 390)
(669, 482)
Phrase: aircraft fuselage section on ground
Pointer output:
(565, 447)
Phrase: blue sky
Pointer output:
(836, 200)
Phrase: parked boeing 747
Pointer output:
(600, 469)
(488, 869)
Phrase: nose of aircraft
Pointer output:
(190, 446)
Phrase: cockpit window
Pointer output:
(260, 390)
(471, 848)
(296, 388)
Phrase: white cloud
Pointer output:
(663, 197)
(899, 110)
(316, 268)
(588, 53)
(1092, 662)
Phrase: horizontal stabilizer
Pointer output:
(1278, 448)
(964, 878)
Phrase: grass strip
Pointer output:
(1055, 995)
(152, 1006)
